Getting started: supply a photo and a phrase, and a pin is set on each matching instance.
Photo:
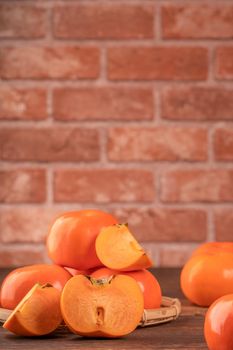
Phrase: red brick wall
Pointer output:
(121, 105)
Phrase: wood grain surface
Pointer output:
(184, 333)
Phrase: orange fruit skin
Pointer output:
(208, 274)
(218, 327)
(214, 247)
(71, 239)
(19, 281)
(149, 285)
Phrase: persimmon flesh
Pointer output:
(71, 239)
(148, 283)
(102, 308)
(37, 314)
(117, 249)
(19, 281)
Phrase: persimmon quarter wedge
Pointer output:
(117, 249)
(38, 313)
(102, 308)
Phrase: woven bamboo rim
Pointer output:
(170, 309)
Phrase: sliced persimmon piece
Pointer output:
(109, 308)
(117, 249)
(38, 313)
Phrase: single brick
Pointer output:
(197, 103)
(224, 63)
(104, 21)
(192, 21)
(197, 185)
(22, 186)
(49, 62)
(223, 144)
(157, 143)
(165, 225)
(20, 21)
(49, 144)
(23, 224)
(157, 63)
(103, 185)
(103, 103)
(223, 223)
(22, 103)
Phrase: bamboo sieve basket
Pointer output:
(170, 309)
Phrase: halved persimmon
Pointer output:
(117, 249)
(38, 313)
(102, 308)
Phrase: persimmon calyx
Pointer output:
(100, 281)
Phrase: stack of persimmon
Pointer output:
(99, 283)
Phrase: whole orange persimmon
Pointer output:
(218, 326)
(208, 274)
(71, 240)
(148, 283)
(19, 281)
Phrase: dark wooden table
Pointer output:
(184, 333)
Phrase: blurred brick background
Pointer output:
(121, 105)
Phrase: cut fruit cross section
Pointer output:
(102, 308)
(38, 313)
(117, 249)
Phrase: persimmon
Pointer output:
(148, 283)
(102, 308)
(213, 247)
(38, 313)
(208, 274)
(117, 249)
(218, 328)
(19, 281)
(71, 239)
